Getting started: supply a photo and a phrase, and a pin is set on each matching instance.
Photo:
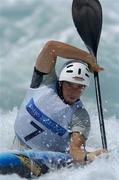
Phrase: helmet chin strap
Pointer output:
(59, 90)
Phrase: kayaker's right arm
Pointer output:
(48, 56)
(46, 60)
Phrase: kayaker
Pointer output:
(52, 116)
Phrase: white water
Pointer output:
(25, 25)
(101, 169)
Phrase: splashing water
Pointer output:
(25, 26)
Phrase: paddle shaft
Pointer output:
(99, 104)
(100, 110)
(87, 16)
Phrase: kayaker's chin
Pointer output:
(71, 92)
(70, 100)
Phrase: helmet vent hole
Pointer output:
(87, 75)
(70, 66)
(87, 69)
(69, 71)
(79, 71)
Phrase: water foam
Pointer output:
(26, 26)
(104, 167)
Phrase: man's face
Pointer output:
(71, 91)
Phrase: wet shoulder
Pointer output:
(81, 115)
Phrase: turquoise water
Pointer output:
(24, 29)
(25, 26)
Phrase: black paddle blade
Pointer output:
(87, 17)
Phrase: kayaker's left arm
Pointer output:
(80, 129)
(78, 151)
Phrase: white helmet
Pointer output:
(76, 72)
